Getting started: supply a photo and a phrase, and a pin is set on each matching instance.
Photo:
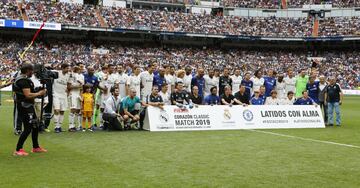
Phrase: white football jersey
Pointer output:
(134, 82)
(290, 84)
(165, 97)
(257, 82)
(76, 80)
(236, 81)
(280, 89)
(147, 82)
(122, 80)
(187, 82)
(209, 83)
(60, 85)
(170, 80)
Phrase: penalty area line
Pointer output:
(305, 139)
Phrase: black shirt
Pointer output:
(224, 81)
(333, 93)
(151, 98)
(21, 84)
(179, 97)
(196, 100)
(244, 98)
(228, 99)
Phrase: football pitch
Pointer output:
(316, 158)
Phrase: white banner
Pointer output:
(114, 3)
(2, 23)
(350, 92)
(224, 117)
(47, 26)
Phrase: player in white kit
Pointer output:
(210, 81)
(107, 82)
(236, 81)
(257, 80)
(134, 81)
(60, 93)
(121, 81)
(290, 81)
(146, 79)
(76, 84)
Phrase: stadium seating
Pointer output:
(338, 64)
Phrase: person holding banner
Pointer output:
(242, 95)
(165, 95)
(305, 99)
(333, 97)
(179, 97)
(195, 97)
(256, 100)
(227, 98)
(212, 99)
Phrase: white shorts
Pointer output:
(101, 100)
(60, 103)
(75, 102)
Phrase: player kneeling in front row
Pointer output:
(112, 118)
(25, 95)
(130, 110)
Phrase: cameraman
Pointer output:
(25, 95)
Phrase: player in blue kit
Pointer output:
(269, 82)
(257, 100)
(313, 89)
(304, 100)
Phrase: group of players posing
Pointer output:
(88, 92)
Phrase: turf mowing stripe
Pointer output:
(306, 139)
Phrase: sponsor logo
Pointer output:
(164, 117)
(227, 114)
(248, 115)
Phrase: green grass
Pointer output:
(186, 159)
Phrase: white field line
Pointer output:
(306, 139)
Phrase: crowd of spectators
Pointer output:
(139, 19)
(339, 26)
(65, 13)
(203, 23)
(9, 10)
(343, 65)
(275, 4)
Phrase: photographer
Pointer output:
(25, 95)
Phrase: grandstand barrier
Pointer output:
(351, 92)
(29, 25)
(224, 117)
